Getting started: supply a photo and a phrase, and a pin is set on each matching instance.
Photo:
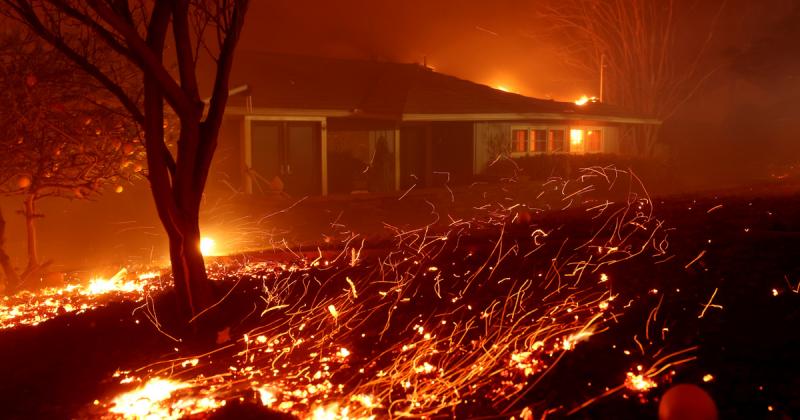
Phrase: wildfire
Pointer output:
(639, 382)
(466, 325)
(155, 399)
(207, 246)
(33, 308)
(583, 100)
(414, 332)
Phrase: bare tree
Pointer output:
(652, 61)
(63, 137)
(138, 32)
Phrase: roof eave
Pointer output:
(241, 110)
(529, 116)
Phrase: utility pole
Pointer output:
(602, 74)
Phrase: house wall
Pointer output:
(362, 156)
(493, 138)
(227, 169)
(354, 163)
(611, 139)
(451, 153)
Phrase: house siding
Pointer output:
(227, 168)
(451, 152)
(493, 138)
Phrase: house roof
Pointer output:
(287, 84)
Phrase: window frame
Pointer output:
(512, 140)
(586, 139)
(565, 140)
(530, 140)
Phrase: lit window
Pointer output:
(576, 140)
(594, 141)
(519, 140)
(557, 138)
(539, 137)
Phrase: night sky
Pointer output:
(495, 43)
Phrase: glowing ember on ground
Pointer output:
(155, 400)
(639, 382)
(32, 308)
(374, 336)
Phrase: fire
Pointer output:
(447, 324)
(155, 399)
(503, 88)
(576, 136)
(267, 396)
(583, 100)
(639, 382)
(117, 283)
(33, 308)
(207, 246)
(456, 348)
(145, 401)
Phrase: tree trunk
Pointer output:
(177, 209)
(30, 227)
(188, 269)
(12, 280)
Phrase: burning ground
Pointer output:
(585, 297)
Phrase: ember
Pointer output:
(32, 308)
(452, 324)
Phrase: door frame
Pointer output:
(247, 146)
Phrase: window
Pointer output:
(576, 144)
(556, 139)
(557, 144)
(539, 137)
(519, 140)
(594, 141)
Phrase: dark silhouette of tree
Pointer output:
(60, 136)
(154, 36)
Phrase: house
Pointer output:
(318, 126)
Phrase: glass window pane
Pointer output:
(539, 143)
(519, 140)
(594, 141)
(267, 163)
(576, 140)
(557, 138)
(348, 160)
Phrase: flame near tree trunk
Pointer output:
(136, 33)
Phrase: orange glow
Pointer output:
(503, 88)
(155, 399)
(583, 100)
(435, 363)
(207, 246)
(576, 136)
(33, 308)
(638, 382)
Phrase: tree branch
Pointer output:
(148, 61)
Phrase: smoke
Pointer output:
(494, 43)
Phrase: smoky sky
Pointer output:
(485, 41)
(493, 42)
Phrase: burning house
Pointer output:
(317, 126)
